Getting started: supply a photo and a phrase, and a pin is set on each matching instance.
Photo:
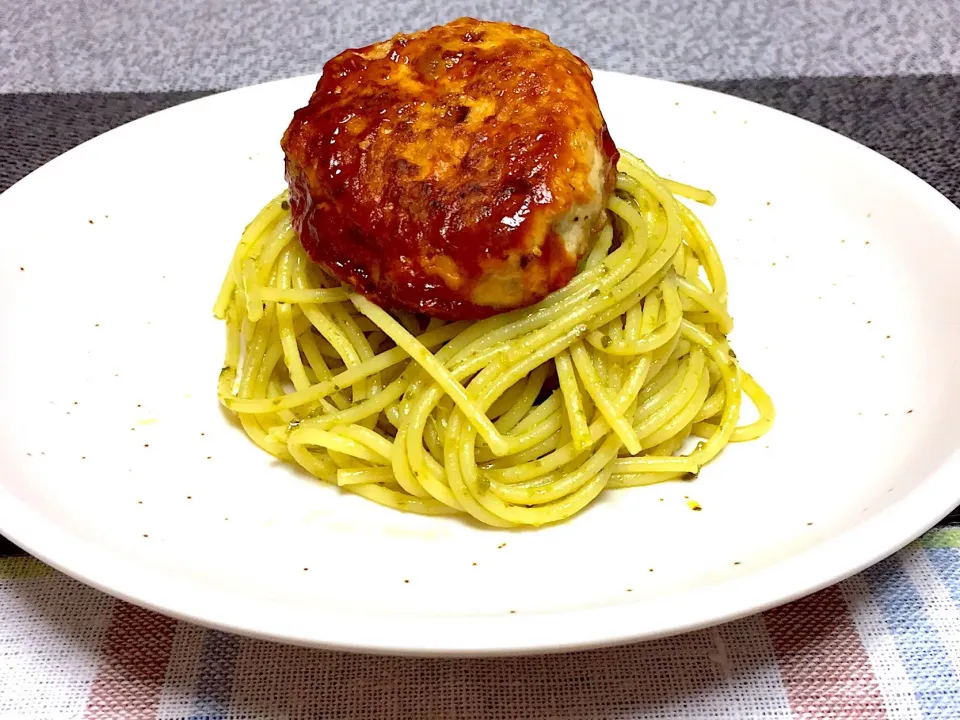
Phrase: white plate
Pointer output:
(843, 283)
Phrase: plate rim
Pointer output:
(803, 573)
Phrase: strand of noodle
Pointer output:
(579, 426)
(612, 365)
(691, 272)
(717, 312)
(759, 397)
(250, 285)
(455, 478)
(494, 379)
(288, 338)
(652, 419)
(545, 421)
(683, 419)
(601, 248)
(545, 446)
(539, 414)
(708, 449)
(321, 466)
(536, 516)
(417, 420)
(672, 444)
(324, 469)
(371, 439)
(360, 343)
(440, 374)
(425, 476)
(531, 389)
(640, 479)
(321, 319)
(342, 380)
(294, 296)
(660, 389)
(605, 404)
(256, 433)
(274, 244)
(266, 217)
(333, 441)
(415, 471)
(363, 409)
(399, 501)
(433, 438)
(563, 455)
(680, 259)
(252, 360)
(652, 340)
(706, 251)
(712, 406)
(730, 375)
(551, 488)
(360, 476)
(507, 400)
(689, 191)
(308, 344)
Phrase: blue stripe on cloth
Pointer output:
(924, 657)
(946, 561)
(216, 675)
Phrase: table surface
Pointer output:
(885, 643)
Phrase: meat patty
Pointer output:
(460, 171)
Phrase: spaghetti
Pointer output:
(519, 419)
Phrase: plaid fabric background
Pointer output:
(883, 644)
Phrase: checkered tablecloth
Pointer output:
(885, 643)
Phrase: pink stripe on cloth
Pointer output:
(823, 664)
(132, 669)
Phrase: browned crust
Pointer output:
(427, 171)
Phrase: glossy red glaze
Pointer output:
(431, 171)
